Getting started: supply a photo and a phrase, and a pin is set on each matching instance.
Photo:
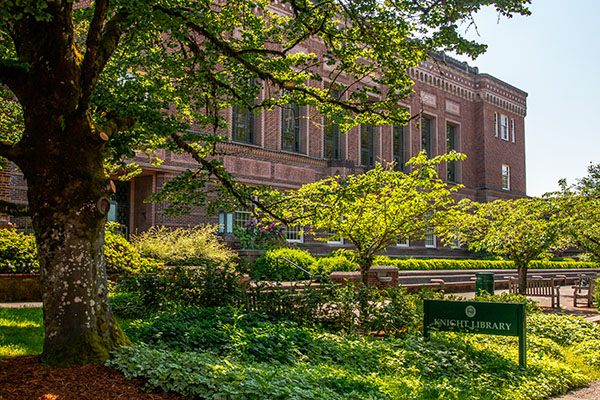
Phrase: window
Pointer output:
(290, 127)
(450, 146)
(430, 240)
(403, 242)
(399, 147)
(240, 218)
(366, 145)
(512, 129)
(496, 124)
(505, 177)
(293, 234)
(331, 139)
(504, 127)
(426, 136)
(242, 125)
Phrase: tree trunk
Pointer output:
(365, 267)
(522, 269)
(67, 193)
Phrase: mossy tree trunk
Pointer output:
(61, 155)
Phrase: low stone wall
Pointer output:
(380, 276)
(20, 287)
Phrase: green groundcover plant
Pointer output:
(239, 355)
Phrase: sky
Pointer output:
(554, 56)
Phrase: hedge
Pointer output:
(443, 264)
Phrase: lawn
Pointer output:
(21, 331)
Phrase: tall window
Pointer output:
(512, 129)
(366, 145)
(426, 136)
(430, 240)
(496, 124)
(399, 147)
(290, 128)
(450, 146)
(242, 125)
(505, 177)
(504, 127)
(331, 137)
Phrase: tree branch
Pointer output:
(224, 179)
(102, 46)
(15, 210)
(10, 151)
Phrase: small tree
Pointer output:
(372, 210)
(521, 230)
(577, 212)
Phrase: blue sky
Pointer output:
(554, 56)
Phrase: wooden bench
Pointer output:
(585, 289)
(541, 287)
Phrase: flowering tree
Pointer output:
(372, 210)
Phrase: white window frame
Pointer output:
(504, 134)
(241, 217)
(430, 240)
(296, 230)
(496, 124)
(403, 243)
(512, 129)
(505, 174)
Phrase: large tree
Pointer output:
(96, 80)
(521, 230)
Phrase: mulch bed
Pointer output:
(24, 378)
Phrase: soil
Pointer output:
(26, 378)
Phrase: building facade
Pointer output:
(454, 107)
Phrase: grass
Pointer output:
(21, 331)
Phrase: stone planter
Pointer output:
(20, 287)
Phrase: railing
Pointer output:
(312, 276)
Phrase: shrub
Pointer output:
(192, 246)
(122, 257)
(326, 265)
(444, 264)
(257, 234)
(18, 253)
(210, 285)
(269, 267)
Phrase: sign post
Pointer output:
(506, 319)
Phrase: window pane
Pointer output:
(366, 145)
(242, 124)
(450, 146)
(331, 139)
(399, 157)
(290, 127)
(426, 136)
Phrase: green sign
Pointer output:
(506, 319)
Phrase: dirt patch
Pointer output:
(25, 378)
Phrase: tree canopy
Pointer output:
(373, 210)
(91, 82)
(521, 230)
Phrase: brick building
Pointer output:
(456, 106)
